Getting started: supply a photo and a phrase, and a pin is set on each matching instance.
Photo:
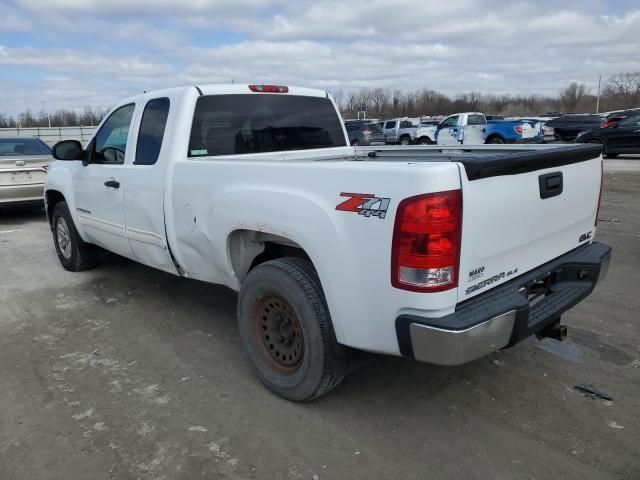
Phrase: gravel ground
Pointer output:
(126, 372)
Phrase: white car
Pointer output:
(433, 253)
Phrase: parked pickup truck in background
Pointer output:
(333, 249)
(399, 130)
(472, 128)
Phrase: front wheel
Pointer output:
(74, 254)
(405, 141)
(424, 141)
(286, 329)
(495, 141)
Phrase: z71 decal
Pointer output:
(366, 204)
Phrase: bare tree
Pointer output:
(571, 96)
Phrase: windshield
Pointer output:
(235, 124)
(23, 146)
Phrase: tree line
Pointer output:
(88, 116)
(619, 92)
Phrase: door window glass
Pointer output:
(391, 124)
(152, 125)
(111, 140)
(633, 121)
(451, 121)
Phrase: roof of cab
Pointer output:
(240, 88)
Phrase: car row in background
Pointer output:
(468, 128)
(23, 169)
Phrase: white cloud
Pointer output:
(455, 46)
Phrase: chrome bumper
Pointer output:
(455, 347)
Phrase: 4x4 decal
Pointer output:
(367, 204)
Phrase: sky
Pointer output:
(72, 53)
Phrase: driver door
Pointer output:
(448, 131)
(99, 186)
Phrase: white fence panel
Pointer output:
(51, 135)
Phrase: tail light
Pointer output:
(426, 242)
(269, 88)
(605, 124)
(366, 132)
(600, 196)
(518, 129)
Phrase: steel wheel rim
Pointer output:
(277, 333)
(63, 238)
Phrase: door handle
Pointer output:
(112, 184)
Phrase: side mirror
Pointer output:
(67, 150)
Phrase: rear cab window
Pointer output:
(10, 147)
(152, 126)
(476, 120)
(256, 123)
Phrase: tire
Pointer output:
(424, 141)
(74, 253)
(495, 141)
(604, 148)
(355, 143)
(405, 140)
(286, 329)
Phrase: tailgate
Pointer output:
(523, 209)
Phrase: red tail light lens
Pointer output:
(269, 88)
(426, 242)
(518, 129)
(604, 124)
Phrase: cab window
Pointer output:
(110, 143)
(450, 122)
(152, 126)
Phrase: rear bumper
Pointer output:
(504, 315)
(21, 194)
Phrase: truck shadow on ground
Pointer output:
(185, 306)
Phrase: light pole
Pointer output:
(598, 97)
(48, 116)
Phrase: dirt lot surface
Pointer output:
(125, 372)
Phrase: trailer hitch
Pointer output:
(555, 330)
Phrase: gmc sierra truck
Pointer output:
(439, 254)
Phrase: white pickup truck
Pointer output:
(434, 253)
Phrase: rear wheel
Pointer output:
(74, 254)
(604, 148)
(424, 141)
(286, 328)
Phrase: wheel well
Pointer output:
(249, 248)
(53, 197)
(494, 135)
(425, 137)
